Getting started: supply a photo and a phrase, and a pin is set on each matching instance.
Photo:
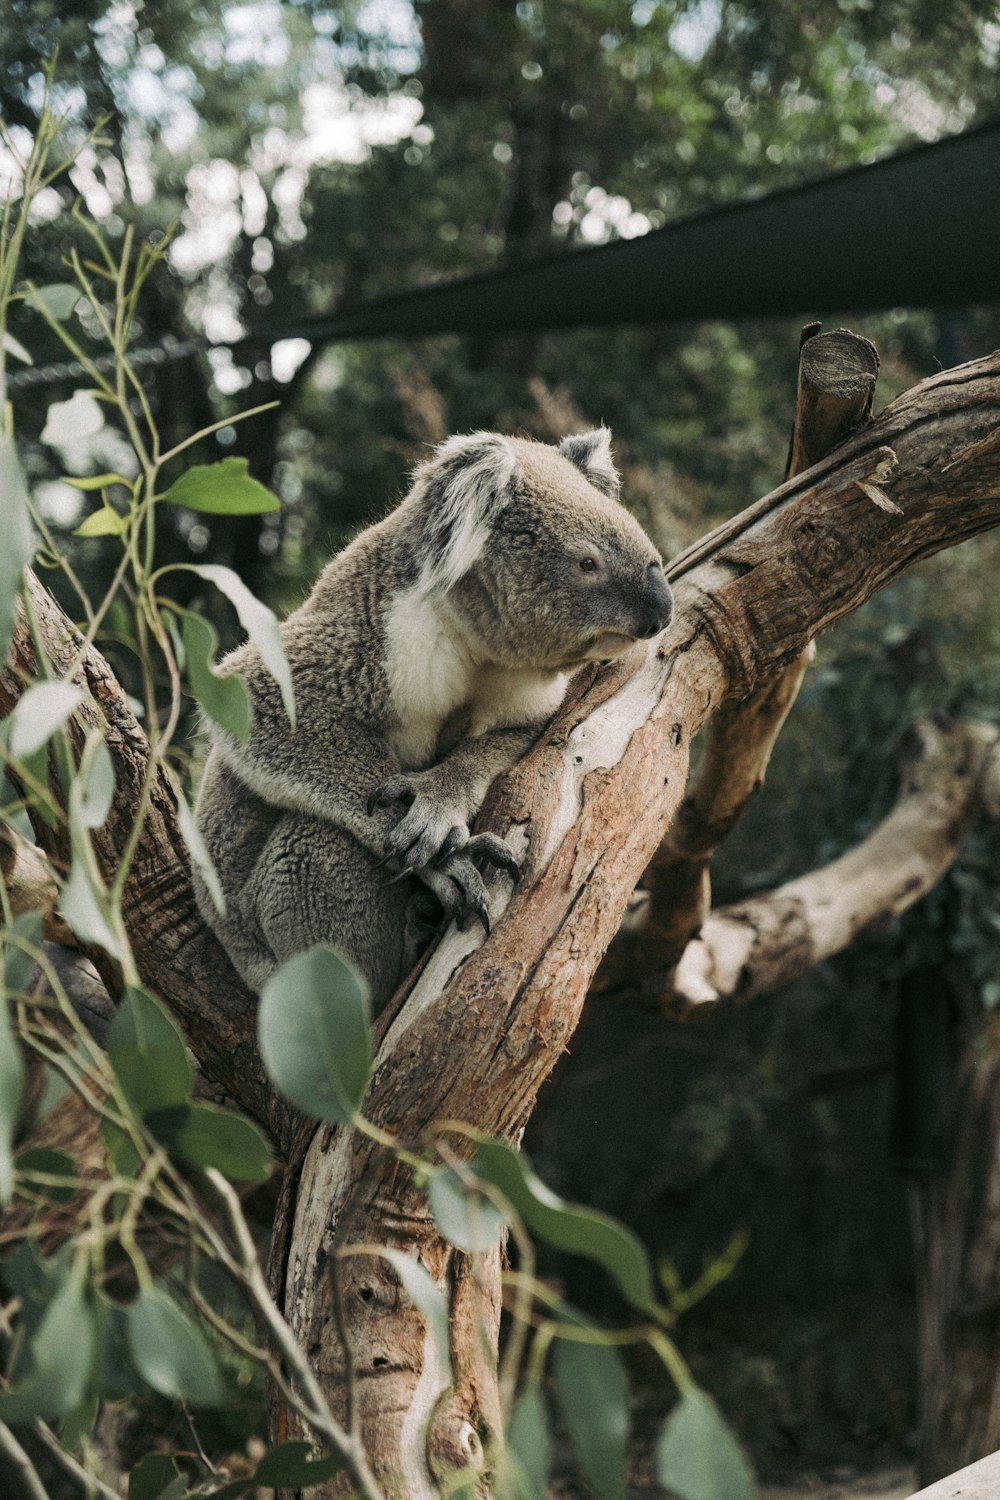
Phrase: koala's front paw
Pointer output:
(426, 827)
(457, 883)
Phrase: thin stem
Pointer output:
(320, 1418)
(26, 1470)
(90, 1484)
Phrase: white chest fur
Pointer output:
(432, 678)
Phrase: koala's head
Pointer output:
(527, 545)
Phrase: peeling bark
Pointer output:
(753, 947)
(476, 1031)
(837, 374)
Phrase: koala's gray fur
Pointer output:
(426, 660)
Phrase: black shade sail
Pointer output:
(920, 229)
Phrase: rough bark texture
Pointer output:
(837, 374)
(475, 1033)
(750, 597)
(754, 946)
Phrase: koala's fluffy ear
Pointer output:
(591, 452)
(466, 486)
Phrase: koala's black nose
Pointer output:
(657, 606)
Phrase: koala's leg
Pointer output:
(314, 883)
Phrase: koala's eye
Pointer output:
(588, 565)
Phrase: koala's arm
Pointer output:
(442, 801)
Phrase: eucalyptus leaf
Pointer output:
(41, 710)
(428, 1298)
(97, 481)
(103, 522)
(15, 347)
(198, 850)
(170, 1352)
(581, 1231)
(147, 1053)
(529, 1440)
(697, 1456)
(58, 298)
(203, 1135)
(94, 786)
(224, 697)
(122, 1152)
(11, 1094)
(315, 1034)
(59, 1358)
(592, 1392)
(285, 1466)
(260, 624)
(83, 910)
(151, 1476)
(51, 1163)
(221, 489)
(18, 541)
(466, 1218)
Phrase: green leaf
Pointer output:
(97, 481)
(58, 298)
(79, 1423)
(260, 624)
(60, 1355)
(428, 1298)
(15, 347)
(18, 542)
(50, 1163)
(223, 697)
(203, 1135)
(315, 1034)
(198, 850)
(122, 1153)
(697, 1456)
(221, 489)
(466, 1218)
(21, 941)
(94, 786)
(151, 1476)
(529, 1441)
(83, 909)
(286, 1466)
(11, 1094)
(289, 1465)
(147, 1052)
(113, 1377)
(581, 1231)
(40, 711)
(18, 968)
(170, 1352)
(103, 522)
(592, 1391)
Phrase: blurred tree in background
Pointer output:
(313, 156)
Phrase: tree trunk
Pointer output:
(474, 1034)
(956, 1225)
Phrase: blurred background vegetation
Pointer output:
(312, 156)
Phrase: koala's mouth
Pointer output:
(610, 644)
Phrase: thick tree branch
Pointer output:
(837, 374)
(477, 1031)
(752, 947)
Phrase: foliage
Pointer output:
(468, 137)
(70, 1345)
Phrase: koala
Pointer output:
(428, 657)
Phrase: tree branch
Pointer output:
(752, 947)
